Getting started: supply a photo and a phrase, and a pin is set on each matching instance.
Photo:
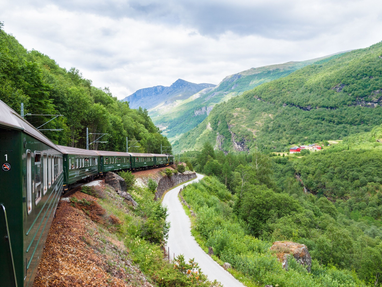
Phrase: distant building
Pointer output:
(295, 149)
(311, 147)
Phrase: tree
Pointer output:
(202, 158)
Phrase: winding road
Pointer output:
(180, 240)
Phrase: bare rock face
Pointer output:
(166, 183)
(117, 182)
(300, 252)
(128, 198)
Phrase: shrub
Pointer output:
(181, 168)
(152, 185)
(129, 179)
(189, 165)
(168, 172)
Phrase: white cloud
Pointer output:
(128, 45)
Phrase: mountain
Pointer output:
(150, 97)
(329, 99)
(178, 117)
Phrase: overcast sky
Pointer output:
(127, 45)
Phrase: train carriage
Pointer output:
(113, 161)
(170, 159)
(78, 164)
(31, 178)
(34, 172)
(142, 160)
(160, 159)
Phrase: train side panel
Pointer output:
(43, 189)
(11, 197)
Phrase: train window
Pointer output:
(29, 182)
(49, 171)
(38, 175)
(106, 160)
(96, 161)
(52, 169)
(45, 172)
(55, 167)
(76, 163)
(38, 193)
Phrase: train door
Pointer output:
(29, 182)
(100, 164)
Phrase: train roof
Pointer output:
(10, 119)
(159, 155)
(77, 151)
(112, 153)
(141, 154)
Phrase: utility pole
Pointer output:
(87, 138)
(95, 141)
(127, 144)
(160, 147)
(41, 115)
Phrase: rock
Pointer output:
(227, 266)
(210, 251)
(66, 199)
(128, 198)
(166, 183)
(268, 285)
(117, 182)
(284, 249)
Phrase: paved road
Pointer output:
(180, 240)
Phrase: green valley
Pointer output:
(171, 115)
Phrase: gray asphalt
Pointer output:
(180, 240)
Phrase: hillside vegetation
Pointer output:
(34, 79)
(252, 200)
(329, 99)
(172, 115)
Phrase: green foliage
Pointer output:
(228, 235)
(129, 178)
(152, 185)
(168, 172)
(189, 165)
(181, 168)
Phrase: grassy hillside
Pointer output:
(181, 116)
(44, 87)
(330, 99)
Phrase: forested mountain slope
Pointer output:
(171, 115)
(34, 79)
(329, 99)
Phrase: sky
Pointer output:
(127, 45)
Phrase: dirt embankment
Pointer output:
(81, 249)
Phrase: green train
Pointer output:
(34, 174)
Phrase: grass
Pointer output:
(203, 244)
